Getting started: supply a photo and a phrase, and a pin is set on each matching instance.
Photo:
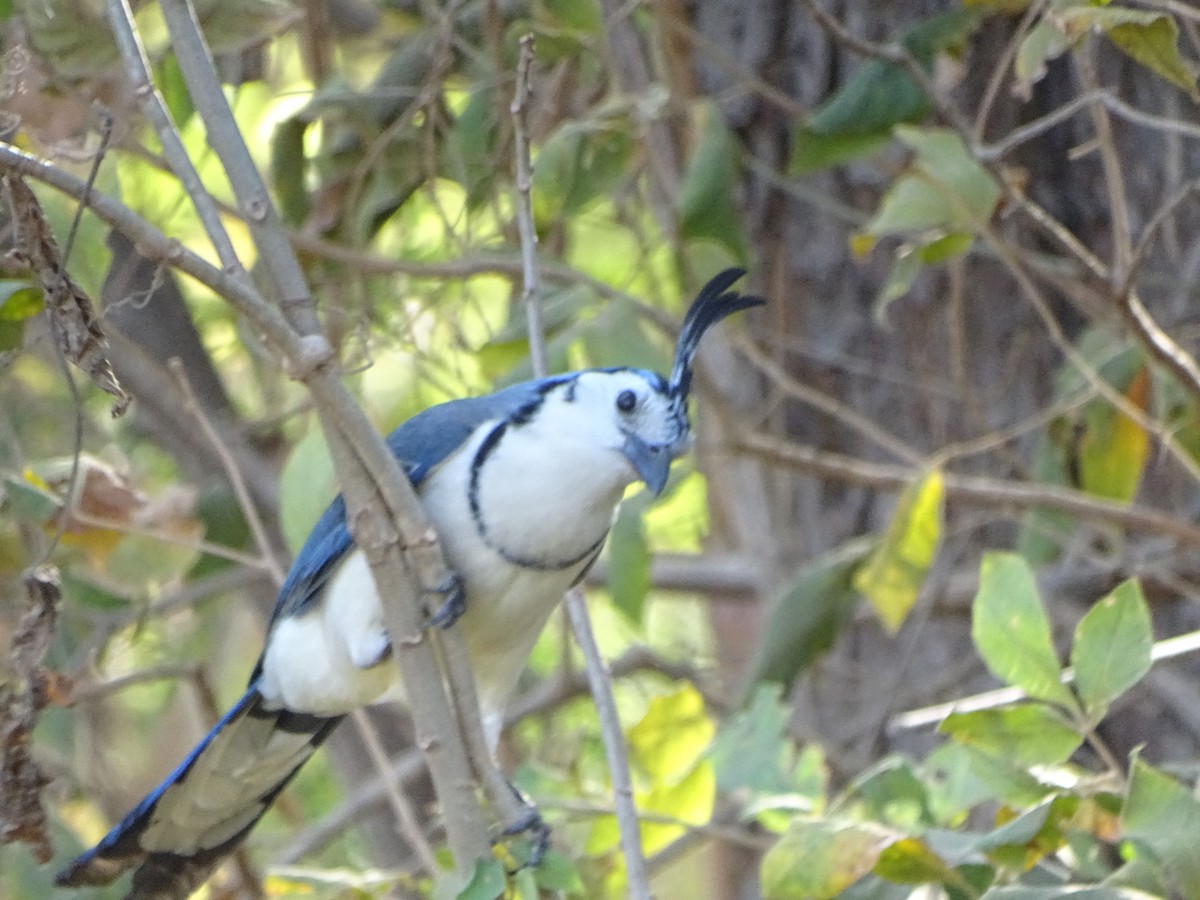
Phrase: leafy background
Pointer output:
(956, 453)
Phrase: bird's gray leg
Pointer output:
(454, 605)
(530, 822)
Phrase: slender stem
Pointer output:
(598, 676)
(525, 224)
(154, 108)
(637, 876)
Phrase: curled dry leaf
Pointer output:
(73, 320)
(23, 693)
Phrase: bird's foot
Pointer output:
(455, 603)
(531, 823)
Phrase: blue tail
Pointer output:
(187, 825)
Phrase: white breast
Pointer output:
(536, 496)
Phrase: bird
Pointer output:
(522, 486)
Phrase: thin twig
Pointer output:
(624, 807)
(598, 677)
(394, 791)
(931, 715)
(154, 108)
(971, 489)
(525, 226)
(232, 471)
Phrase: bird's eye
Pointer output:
(626, 401)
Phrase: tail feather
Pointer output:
(187, 825)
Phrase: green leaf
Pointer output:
(749, 750)
(859, 118)
(486, 883)
(19, 300)
(1149, 38)
(1031, 826)
(1011, 783)
(892, 577)
(817, 858)
(894, 793)
(1162, 816)
(557, 872)
(807, 617)
(948, 188)
(912, 861)
(1011, 631)
(666, 744)
(689, 800)
(1112, 648)
(470, 148)
(629, 559)
(1045, 41)
(579, 163)
(168, 78)
(1027, 734)
(288, 170)
(708, 206)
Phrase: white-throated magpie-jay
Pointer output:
(522, 486)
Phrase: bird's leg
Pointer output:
(529, 822)
(455, 603)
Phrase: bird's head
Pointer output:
(644, 415)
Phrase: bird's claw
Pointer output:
(530, 822)
(453, 606)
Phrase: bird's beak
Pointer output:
(651, 461)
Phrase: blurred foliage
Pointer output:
(393, 168)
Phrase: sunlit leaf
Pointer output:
(805, 620)
(817, 859)
(1112, 648)
(19, 300)
(689, 800)
(892, 576)
(1011, 631)
(671, 736)
(1163, 816)
(168, 78)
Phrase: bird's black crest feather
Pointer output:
(713, 304)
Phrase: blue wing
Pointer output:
(421, 444)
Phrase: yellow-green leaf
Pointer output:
(1149, 38)
(671, 736)
(1114, 448)
(891, 578)
(817, 859)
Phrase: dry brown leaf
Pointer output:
(73, 320)
(22, 815)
